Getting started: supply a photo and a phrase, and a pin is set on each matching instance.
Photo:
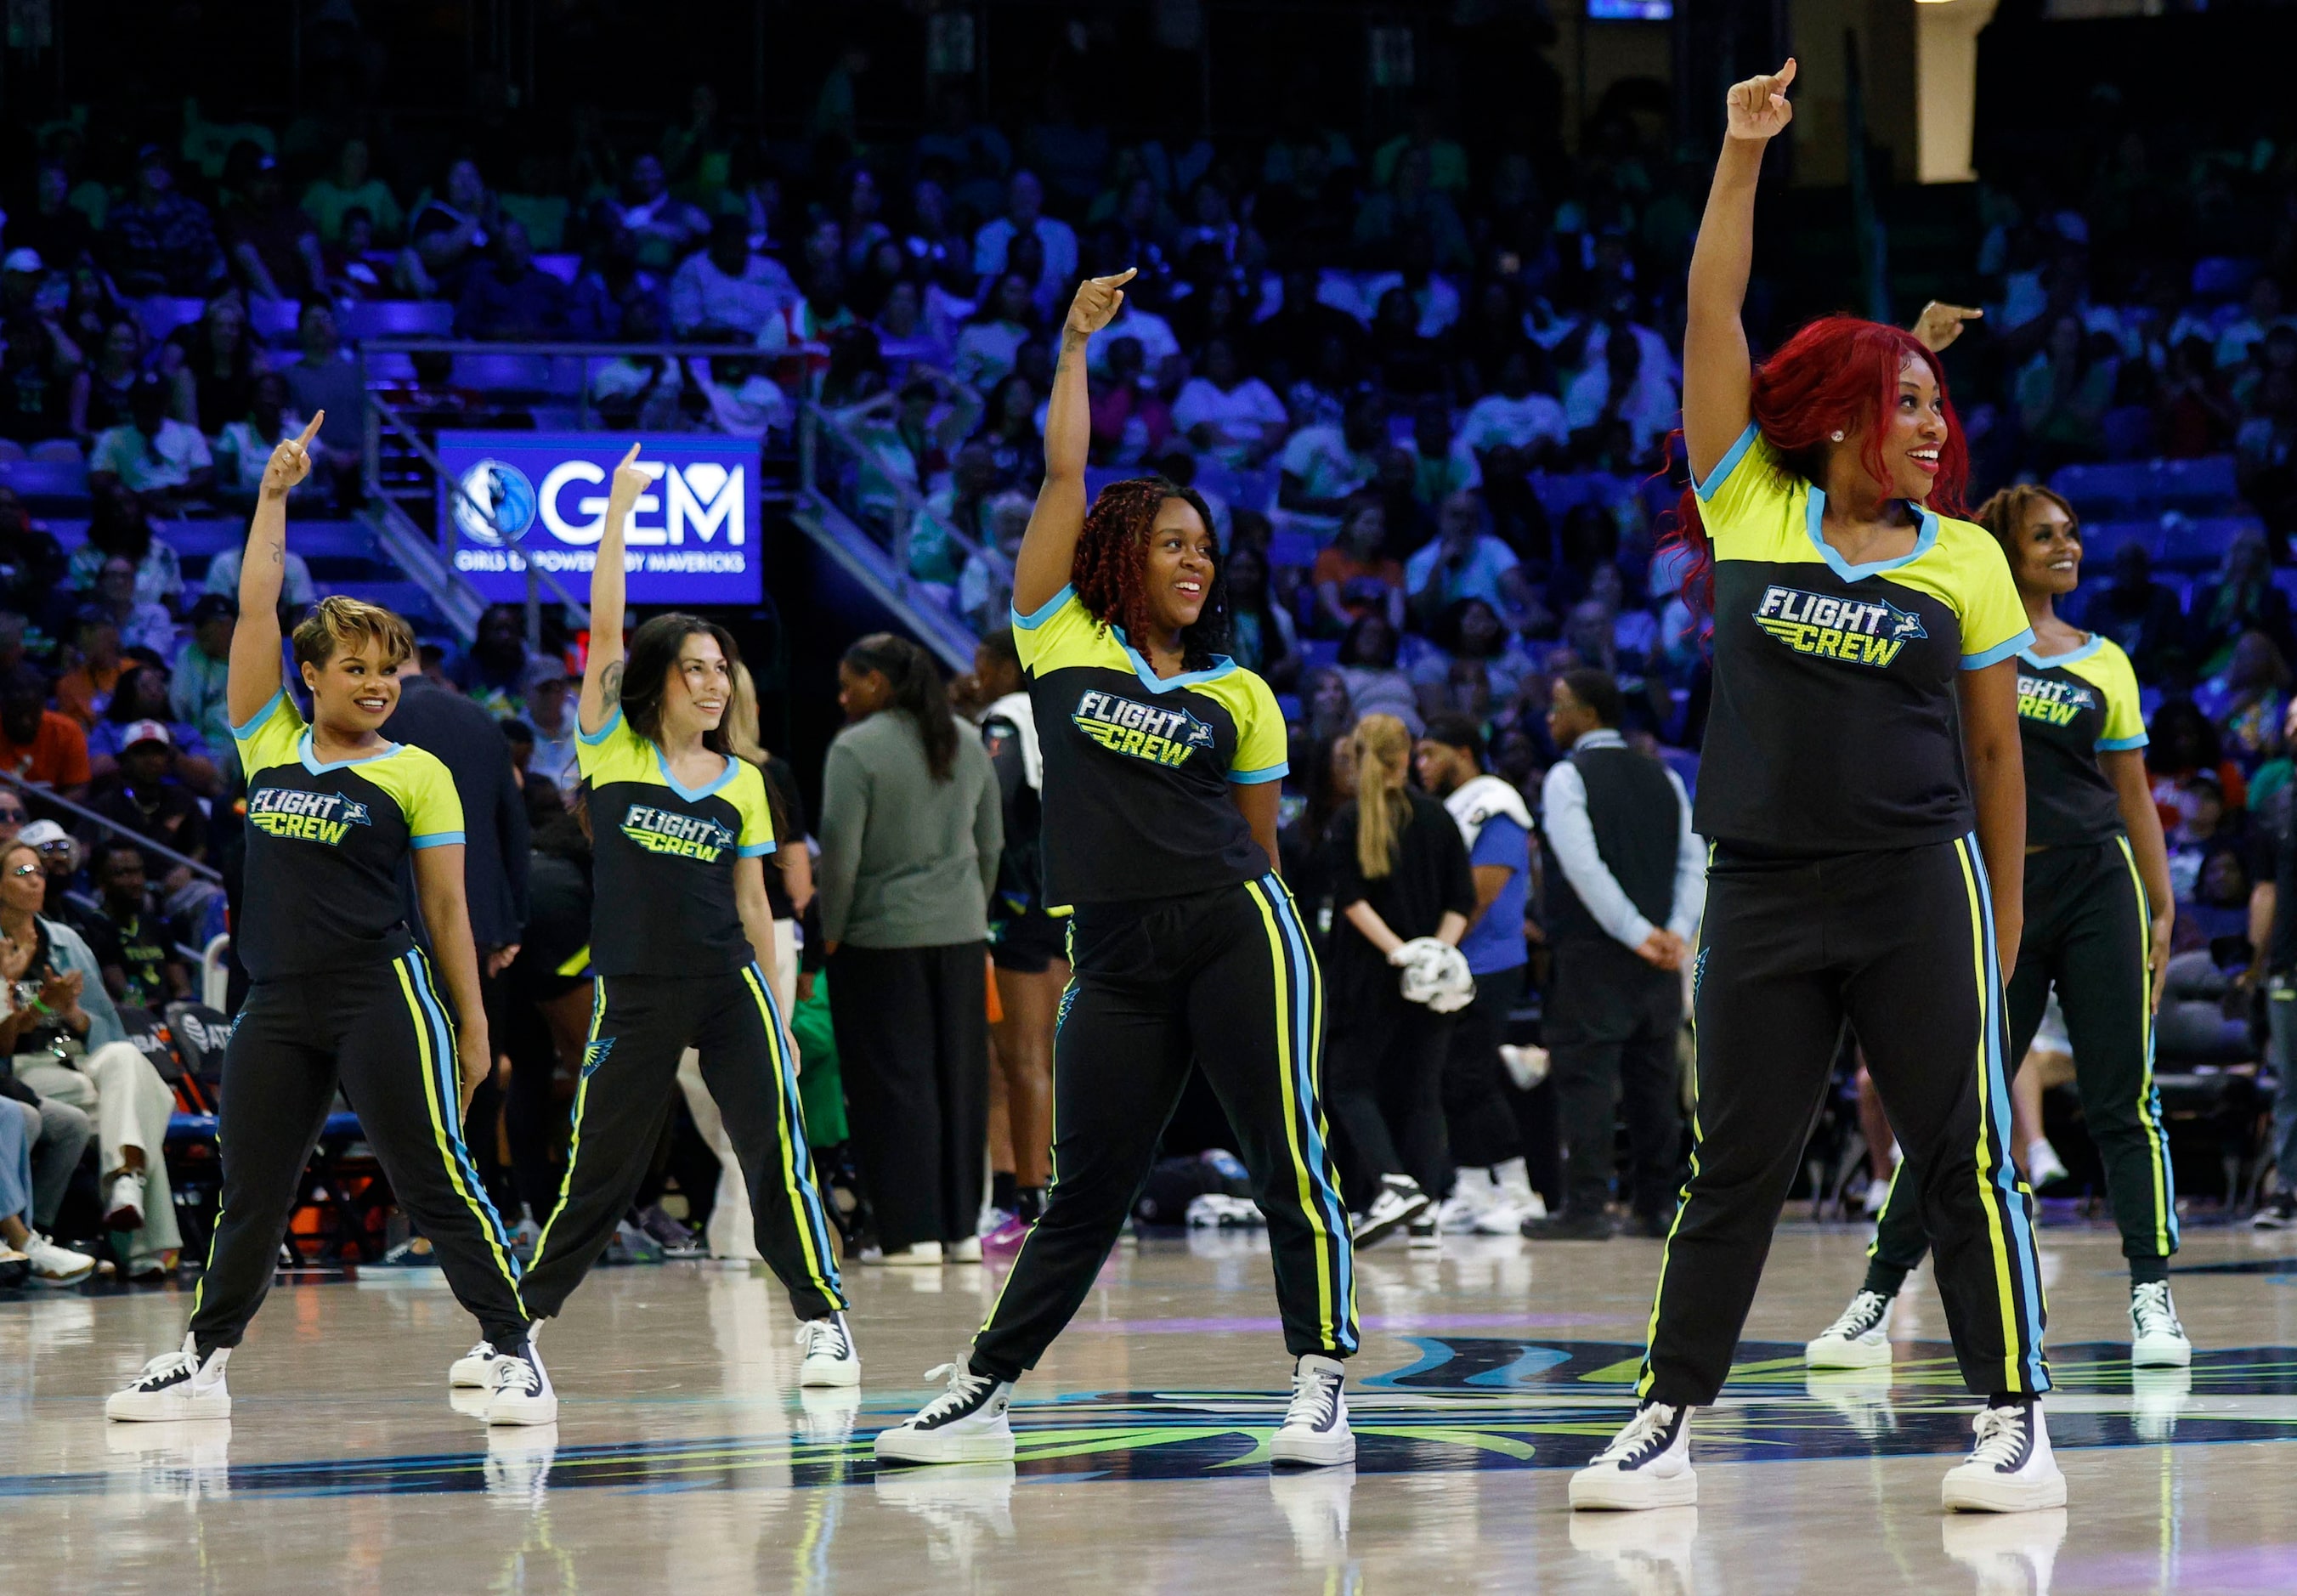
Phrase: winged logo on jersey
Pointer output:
(2053, 702)
(1861, 631)
(1162, 735)
(354, 813)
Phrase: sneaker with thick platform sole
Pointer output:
(2156, 1340)
(1859, 1339)
(474, 1371)
(522, 1393)
(1647, 1465)
(919, 1254)
(1315, 1434)
(965, 1424)
(1399, 1202)
(830, 1358)
(2010, 1471)
(175, 1385)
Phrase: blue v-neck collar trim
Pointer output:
(303, 748)
(691, 794)
(1222, 666)
(2051, 661)
(1816, 511)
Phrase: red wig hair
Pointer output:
(1838, 374)
(1110, 568)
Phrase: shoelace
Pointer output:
(168, 1367)
(2149, 1306)
(1313, 1398)
(519, 1377)
(1646, 1432)
(966, 1389)
(1863, 1313)
(484, 1349)
(2001, 1436)
(824, 1337)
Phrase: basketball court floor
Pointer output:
(686, 1460)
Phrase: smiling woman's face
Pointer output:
(355, 692)
(2048, 550)
(1180, 557)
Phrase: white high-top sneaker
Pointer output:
(1515, 1203)
(2156, 1340)
(1472, 1192)
(1315, 1429)
(1647, 1465)
(1859, 1339)
(177, 1384)
(965, 1424)
(2010, 1471)
(830, 1358)
(522, 1393)
(474, 1371)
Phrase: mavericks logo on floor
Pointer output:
(1163, 736)
(1861, 631)
(313, 817)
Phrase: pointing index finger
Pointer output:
(311, 429)
(631, 459)
(1121, 278)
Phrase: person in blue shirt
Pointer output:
(1492, 1194)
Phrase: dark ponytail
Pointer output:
(918, 692)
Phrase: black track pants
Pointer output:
(1385, 1087)
(1610, 1023)
(1900, 946)
(1477, 1117)
(382, 1032)
(638, 1027)
(2087, 931)
(1224, 979)
(912, 1029)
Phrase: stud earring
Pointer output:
(1838, 437)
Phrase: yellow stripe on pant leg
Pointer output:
(1280, 966)
(1888, 1198)
(431, 1064)
(581, 1098)
(790, 1187)
(1990, 1197)
(1316, 1065)
(1643, 1381)
(2146, 1112)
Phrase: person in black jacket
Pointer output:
(1626, 882)
(1400, 877)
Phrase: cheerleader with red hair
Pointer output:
(1864, 795)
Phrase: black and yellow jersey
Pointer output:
(2071, 708)
(663, 895)
(1835, 725)
(1137, 767)
(325, 843)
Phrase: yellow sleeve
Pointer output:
(434, 810)
(1745, 493)
(272, 736)
(1992, 621)
(2125, 719)
(1260, 741)
(1052, 635)
(749, 797)
(610, 753)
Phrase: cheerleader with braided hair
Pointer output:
(1162, 757)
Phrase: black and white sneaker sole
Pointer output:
(902, 1445)
(1372, 1235)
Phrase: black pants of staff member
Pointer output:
(1478, 1120)
(638, 1027)
(1385, 1086)
(912, 1026)
(1612, 1023)
(1224, 979)
(2086, 933)
(1900, 946)
(383, 1033)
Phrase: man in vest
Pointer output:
(1625, 884)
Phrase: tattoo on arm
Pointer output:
(610, 685)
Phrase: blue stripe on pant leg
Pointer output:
(447, 1067)
(2014, 1200)
(782, 1055)
(1306, 984)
